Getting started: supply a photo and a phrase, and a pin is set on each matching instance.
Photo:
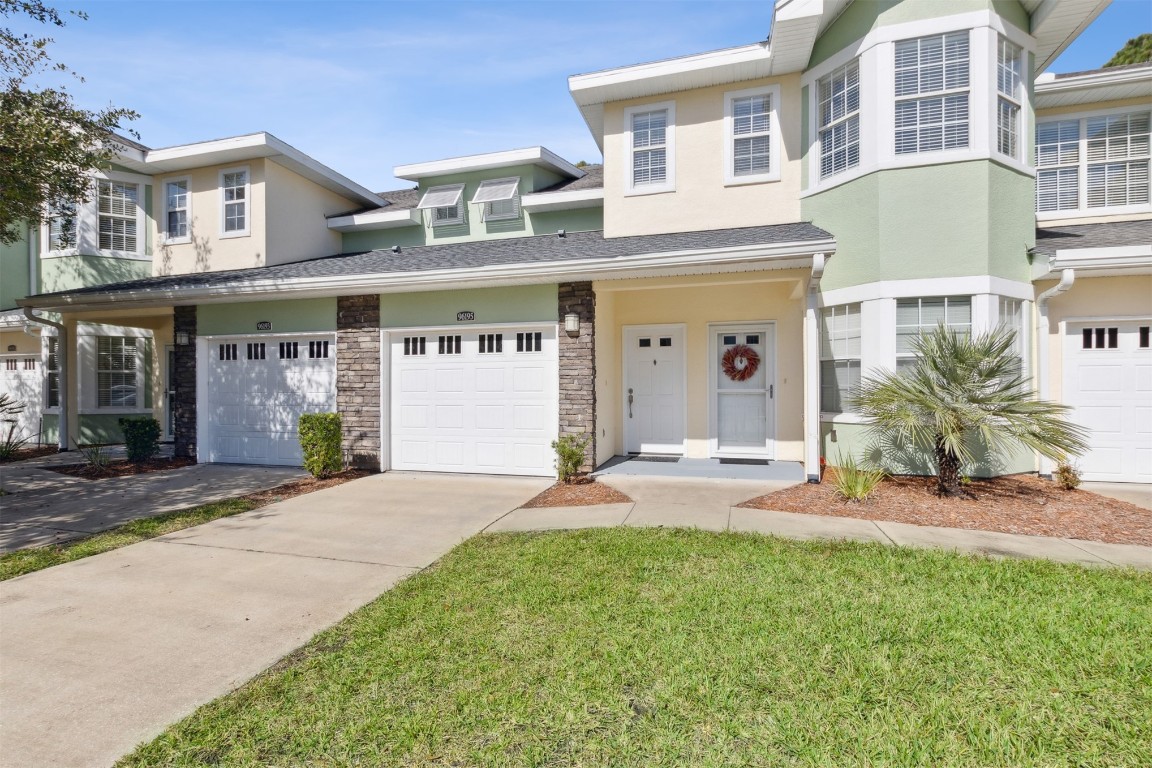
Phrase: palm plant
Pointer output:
(962, 394)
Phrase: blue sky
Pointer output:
(365, 86)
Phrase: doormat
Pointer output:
(752, 462)
(666, 459)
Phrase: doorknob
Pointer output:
(629, 402)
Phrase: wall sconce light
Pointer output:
(182, 339)
(395, 249)
(572, 324)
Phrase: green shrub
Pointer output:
(1067, 476)
(96, 458)
(855, 483)
(10, 442)
(570, 455)
(141, 438)
(320, 437)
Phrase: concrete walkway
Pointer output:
(41, 507)
(710, 505)
(103, 653)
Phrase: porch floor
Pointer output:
(673, 466)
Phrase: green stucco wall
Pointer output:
(295, 316)
(863, 16)
(70, 272)
(532, 178)
(518, 304)
(953, 220)
(95, 428)
(14, 271)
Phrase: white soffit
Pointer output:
(1056, 23)
(493, 190)
(540, 156)
(1094, 87)
(441, 197)
(385, 218)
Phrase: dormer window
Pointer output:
(500, 198)
(444, 204)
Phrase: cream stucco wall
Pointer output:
(696, 302)
(701, 200)
(208, 251)
(297, 207)
(1103, 297)
(25, 344)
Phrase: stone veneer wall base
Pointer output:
(578, 366)
(358, 378)
(184, 383)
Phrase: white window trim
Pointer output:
(247, 231)
(774, 144)
(669, 184)
(163, 230)
(1083, 211)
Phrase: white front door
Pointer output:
(743, 390)
(654, 389)
(1108, 382)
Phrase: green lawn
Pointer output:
(24, 561)
(650, 647)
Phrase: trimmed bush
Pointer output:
(320, 438)
(855, 483)
(570, 455)
(1067, 475)
(141, 438)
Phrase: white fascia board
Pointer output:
(1115, 260)
(383, 219)
(541, 156)
(704, 261)
(254, 146)
(563, 201)
(1056, 23)
(1094, 87)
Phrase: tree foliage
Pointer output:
(1136, 51)
(48, 144)
(965, 395)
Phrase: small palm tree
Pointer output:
(963, 392)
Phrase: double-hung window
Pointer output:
(838, 95)
(932, 89)
(62, 227)
(444, 204)
(748, 123)
(917, 316)
(117, 207)
(839, 357)
(1058, 165)
(176, 209)
(234, 189)
(1012, 318)
(115, 372)
(52, 380)
(651, 149)
(1117, 157)
(1009, 87)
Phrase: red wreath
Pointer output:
(740, 363)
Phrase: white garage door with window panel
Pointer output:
(474, 400)
(1108, 381)
(255, 389)
(22, 379)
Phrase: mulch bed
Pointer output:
(121, 468)
(1022, 504)
(305, 485)
(582, 492)
(32, 453)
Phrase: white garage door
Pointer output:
(21, 379)
(256, 389)
(1108, 380)
(476, 400)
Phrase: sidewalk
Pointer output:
(710, 505)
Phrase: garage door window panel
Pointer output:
(449, 345)
(529, 342)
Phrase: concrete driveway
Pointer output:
(101, 654)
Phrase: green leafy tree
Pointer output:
(963, 395)
(1136, 51)
(48, 145)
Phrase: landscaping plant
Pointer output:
(855, 483)
(141, 438)
(1067, 476)
(320, 437)
(570, 455)
(10, 442)
(96, 458)
(963, 395)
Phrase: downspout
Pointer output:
(1043, 328)
(812, 373)
(33, 262)
(62, 363)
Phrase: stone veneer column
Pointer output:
(358, 378)
(184, 382)
(578, 366)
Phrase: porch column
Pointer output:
(578, 366)
(69, 345)
(358, 378)
(184, 382)
(812, 373)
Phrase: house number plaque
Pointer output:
(463, 317)
(264, 325)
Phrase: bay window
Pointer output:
(838, 108)
(922, 315)
(932, 90)
(839, 357)
(117, 215)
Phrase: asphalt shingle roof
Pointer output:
(520, 250)
(593, 178)
(1106, 235)
(1120, 68)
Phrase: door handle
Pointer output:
(629, 402)
(771, 391)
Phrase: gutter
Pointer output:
(1043, 329)
(812, 372)
(62, 344)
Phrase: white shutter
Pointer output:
(492, 190)
(441, 197)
